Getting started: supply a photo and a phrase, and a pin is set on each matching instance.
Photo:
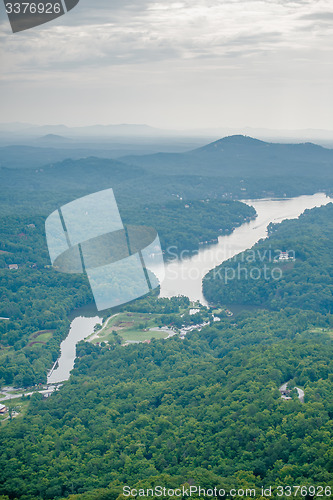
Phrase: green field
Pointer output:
(130, 327)
(328, 331)
(142, 335)
(40, 337)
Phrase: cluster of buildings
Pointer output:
(283, 257)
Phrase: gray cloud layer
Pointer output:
(233, 43)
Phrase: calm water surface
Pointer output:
(184, 277)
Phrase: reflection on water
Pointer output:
(184, 277)
(80, 328)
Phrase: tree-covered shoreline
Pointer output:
(259, 277)
(206, 410)
(36, 298)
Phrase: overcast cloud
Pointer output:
(191, 63)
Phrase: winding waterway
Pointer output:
(80, 328)
(184, 277)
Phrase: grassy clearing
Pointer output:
(141, 336)
(128, 326)
(218, 311)
(40, 337)
(44, 337)
(328, 331)
(136, 327)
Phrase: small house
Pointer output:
(13, 266)
(3, 409)
(283, 257)
(285, 392)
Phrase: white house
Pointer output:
(3, 409)
(283, 257)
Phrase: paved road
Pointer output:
(7, 396)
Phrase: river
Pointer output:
(80, 328)
(184, 277)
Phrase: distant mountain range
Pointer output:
(233, 167)
(241, 155)
(123, 129)
(27, 131)
(56, 143)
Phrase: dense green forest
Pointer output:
(202, 411)
(184, 225)
(37, 299)
(254, 277)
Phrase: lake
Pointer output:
(184, 277)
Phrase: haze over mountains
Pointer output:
(24, 145)
(30, 130)
(235, 167)
(10, 133)
(107, 141)
(241, 155)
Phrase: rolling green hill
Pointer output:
(205, 411)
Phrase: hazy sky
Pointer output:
(183, 64)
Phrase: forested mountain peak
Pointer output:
(53, 138)
(231, 141)
(243, 143)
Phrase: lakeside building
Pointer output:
(3, 409)
(283, 257)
